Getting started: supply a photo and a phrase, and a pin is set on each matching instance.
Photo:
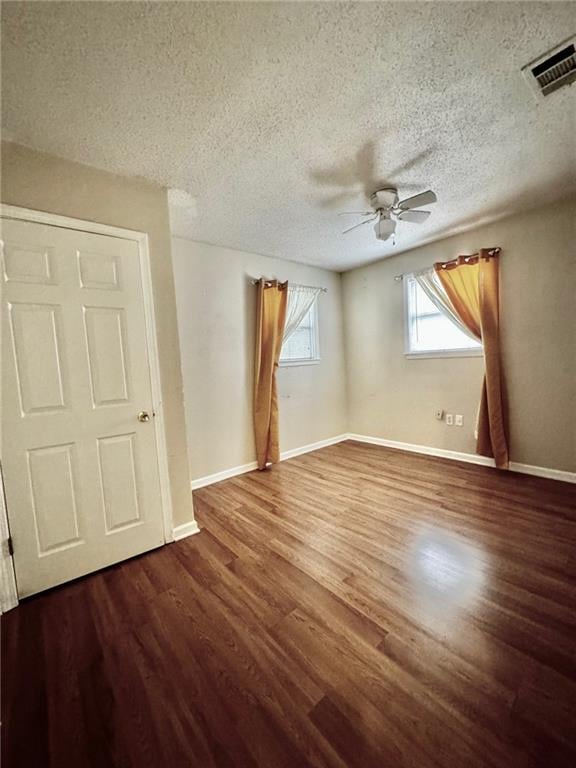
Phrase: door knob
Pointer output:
(143, 416)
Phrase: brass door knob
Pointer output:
(143, 416)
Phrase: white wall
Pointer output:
(392, 397)
(216, 306)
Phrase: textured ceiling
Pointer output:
(276, 116)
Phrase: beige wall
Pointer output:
(388, 395)
(42, 182)
(392, 397)
(216, 314)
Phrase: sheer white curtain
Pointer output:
(300, 299)
(430, 283)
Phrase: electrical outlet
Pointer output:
(439, 414)
(459, 420)
(449, 419)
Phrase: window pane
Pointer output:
(438, 332)
(298, 346)
(429, 329)
(423, 304)
(301, 344)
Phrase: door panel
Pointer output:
(106, 341)
(35, 332)
(98, 271)
(28, 264)
(119, 488)
(53, 482)
(81, 472)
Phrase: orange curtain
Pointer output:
(270, 321)
(471, 283)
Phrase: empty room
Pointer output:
(288, 384)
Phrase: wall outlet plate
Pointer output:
(449, 419)
(459, 420)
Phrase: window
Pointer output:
(302, 347)
(429, 332)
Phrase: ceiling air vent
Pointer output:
(553, 70)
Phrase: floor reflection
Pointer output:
(446, 570)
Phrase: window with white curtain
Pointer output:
(429, 332)
(302, 346)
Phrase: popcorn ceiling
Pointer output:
(269, 115)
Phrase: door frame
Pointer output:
(141, 239)
(8, 588)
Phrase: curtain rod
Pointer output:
(296, 285)
(491, 252)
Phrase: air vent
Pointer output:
(553, 70)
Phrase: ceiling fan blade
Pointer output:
(416, 217)
(424, 198)
(356, 213)
(360, 224)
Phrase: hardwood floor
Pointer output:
(356, 606)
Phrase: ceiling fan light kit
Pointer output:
(387, 210)
(384, 227)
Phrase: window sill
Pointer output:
(292, 363)
(445, 353)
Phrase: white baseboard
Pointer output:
(312, 447)
(200, 482)
(551, 474)
(187, 529)
(472, 458)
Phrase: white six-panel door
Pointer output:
(80, 469)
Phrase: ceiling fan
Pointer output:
(387, 210)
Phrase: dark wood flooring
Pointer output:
(353, 607)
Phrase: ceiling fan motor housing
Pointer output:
(384, 198)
